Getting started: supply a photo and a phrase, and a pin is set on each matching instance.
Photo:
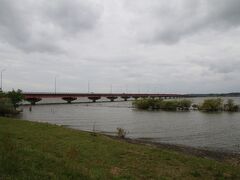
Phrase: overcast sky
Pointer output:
(153, 46)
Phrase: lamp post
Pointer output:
(88, 88)
(1, 78)
(55, 84)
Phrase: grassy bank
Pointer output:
(30, 150)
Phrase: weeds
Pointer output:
(94, 129)
(121, 133)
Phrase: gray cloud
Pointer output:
(125, 43)
(40, 27)
(73, 16)
(172, 21)
(220, 65)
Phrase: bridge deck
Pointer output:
(61, 95)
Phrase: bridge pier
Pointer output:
(69, 99)
(33, 100)
(136, 97)
(125, 98)
(112, 98)
(94, 98)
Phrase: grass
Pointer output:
(30, 150)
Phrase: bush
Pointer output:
(212, 105)
(121, 133)
(6, 107)
(146, 103)
(171, 105)
(2, 94)
(184, 104)
(195, 107)
(230, 106)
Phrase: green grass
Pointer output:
(30, 150)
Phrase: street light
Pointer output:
(88, 88)
(55, 84)
(1, 78)
(110, 88)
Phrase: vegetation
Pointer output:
(184, 104)
(169, 105)
(16, 97)
(147, 103)
(30, 150)
(2, 94)
(217, 105)
(6, 107)
(121, 132)
(9, 101)
(212, 105)
(208, 105)
(231, 106)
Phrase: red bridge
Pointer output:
(33, 98)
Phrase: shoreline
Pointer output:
(188, 150)
(220, 155)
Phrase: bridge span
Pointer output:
(33, 97)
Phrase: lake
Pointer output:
(215, 131)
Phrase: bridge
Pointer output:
(33, 98)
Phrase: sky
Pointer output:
(133, 46)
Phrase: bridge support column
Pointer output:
(136, 97)
(69, 99)
(125, 98)
(33, 100)
(112, 98)
(94, 98)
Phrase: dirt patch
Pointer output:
(115, 171)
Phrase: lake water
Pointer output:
(216, 131)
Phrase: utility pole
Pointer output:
(111, 88)
(1, 79)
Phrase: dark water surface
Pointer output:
(216, 131)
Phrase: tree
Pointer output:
(212, 105)
(15, 96)
(2, 94)
(169, 105)
(184, 104)
(230, 106)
